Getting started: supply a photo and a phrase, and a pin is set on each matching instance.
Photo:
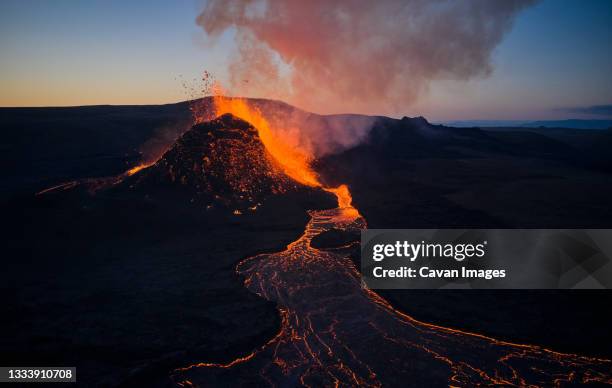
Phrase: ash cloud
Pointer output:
(356, 55)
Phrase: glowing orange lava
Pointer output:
(345, 200)
(137, 168)
(336, 332)
(295, 162)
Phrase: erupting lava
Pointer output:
(294, 162)
(137, 168)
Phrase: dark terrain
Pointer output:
(138, 278)
(410, 174)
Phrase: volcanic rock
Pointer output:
(222, 162)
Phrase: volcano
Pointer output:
(154, 262)
(221, 163)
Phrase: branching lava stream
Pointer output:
(336, 332)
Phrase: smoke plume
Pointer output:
(356, 55)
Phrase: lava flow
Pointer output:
(137, 168)
(336, 332)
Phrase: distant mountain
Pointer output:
(409, 173)
(570, 123)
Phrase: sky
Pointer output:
(555, 63)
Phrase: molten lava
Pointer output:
(336, 332)
(294, 161)
(137, 168)
(345, 200)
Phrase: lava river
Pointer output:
(336, 332)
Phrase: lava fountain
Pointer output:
(294, 161)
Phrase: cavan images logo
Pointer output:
(485, 258)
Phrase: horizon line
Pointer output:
(445, 121)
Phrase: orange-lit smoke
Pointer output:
(358, 56)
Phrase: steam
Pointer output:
(356, 55)
(313, 134)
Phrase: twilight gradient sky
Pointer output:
(557, 57)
